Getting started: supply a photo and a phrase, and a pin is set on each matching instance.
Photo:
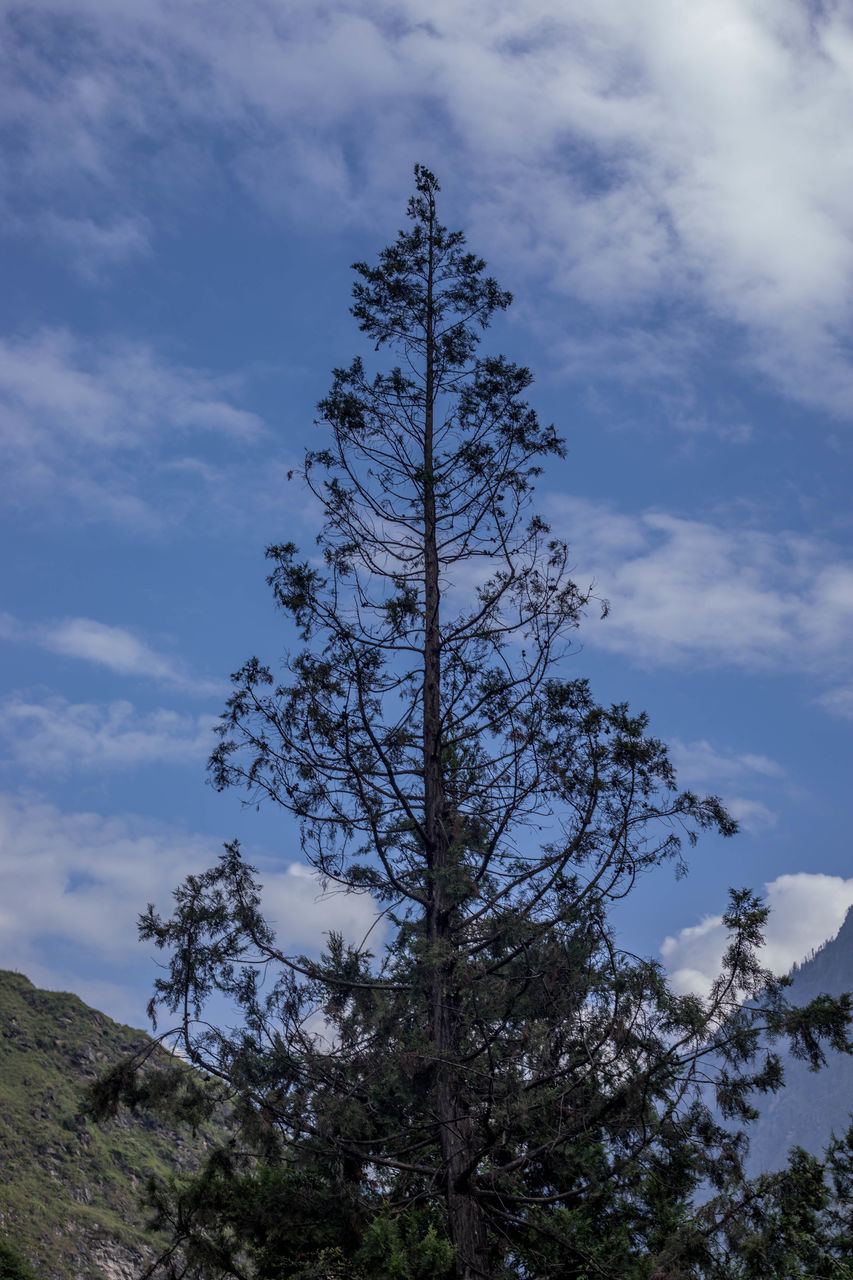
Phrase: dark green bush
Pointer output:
(12, 1265)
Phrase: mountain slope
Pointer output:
(69, 1188)
(812, 1105)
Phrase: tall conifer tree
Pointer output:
(500, 1092)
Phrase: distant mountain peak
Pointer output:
(812, 1106)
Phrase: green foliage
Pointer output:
(12, 1265)
(407, 1246)
(796, 1223)
(279, 1221)
(274, 1218)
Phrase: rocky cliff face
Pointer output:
(69, 1188)
(812, 1105)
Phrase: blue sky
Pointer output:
(665, 189)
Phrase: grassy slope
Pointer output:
(69, 1188)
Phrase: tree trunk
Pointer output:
(465, 1217)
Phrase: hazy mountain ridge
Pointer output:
(69, 1188)
(812, 1105)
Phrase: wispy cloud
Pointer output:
(118, 649)
(628, 154)
(74, 884)
(753, 815)
(94, 247)
(89, 421)
(734, 775)
(70, 737)
(839, 701)
(806, 910)
(701, 764)
(691, 591)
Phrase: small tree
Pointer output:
(501, 1076)
(12, 1265)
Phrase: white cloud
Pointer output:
(691, 591)
(753, 815)
(116, 648)
(113, 647)
(72, 886)
(301, 914)
(626, 153)
(89, 421)
(806, 910)
(69, 737)
(701, 764)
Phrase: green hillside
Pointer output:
(69, 1188)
